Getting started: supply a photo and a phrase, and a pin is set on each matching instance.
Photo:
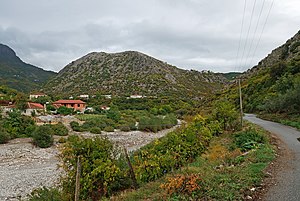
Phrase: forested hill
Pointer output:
(18, 75)
(274, 84)
(131, 72)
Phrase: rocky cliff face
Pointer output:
(284, 53)
(128, 73)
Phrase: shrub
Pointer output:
(30, 129)
(171, 151)
(44, 193)
(95, 130)
(75, 126)
(16, 123)
(125, 128)
(182, 184)
(62, 140)
(109, 129)
(64, 110)
(43, 136)
(4, 136)
(249, 139)
(100, 170)
(60, 129)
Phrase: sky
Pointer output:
(190, 34)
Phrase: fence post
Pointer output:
(77, 186)
(135, 185)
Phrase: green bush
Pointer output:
(75, 126)
(249, 139)
(43, 136)
(157, 123)
(44, 193)
(60, 129)
(171, 151)
(4, 136)
(30, 129)
(16, 124)
(125, 128)
(95, 130)
(109, 129)
(64, 110)
(100, 168)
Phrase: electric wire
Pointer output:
(251, 44)
(257, 44)
(251, 18)
(241, 32)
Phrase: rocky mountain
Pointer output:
(129, 73)
(18, 75)
(274, 84)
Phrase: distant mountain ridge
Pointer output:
(19, 75)
(128, 73)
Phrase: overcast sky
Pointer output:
(190, 34)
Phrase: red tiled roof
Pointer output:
(57, 105)
(31, 105)
(69, 102)
(38, 93)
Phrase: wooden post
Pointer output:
(135, 185)
(241, 103)
(77, 186)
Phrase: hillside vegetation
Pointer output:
(18, 75)
(128, 73)
(273, 86)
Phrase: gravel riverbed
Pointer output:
(24, 167)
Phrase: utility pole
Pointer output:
(77, 185)
(241, 103)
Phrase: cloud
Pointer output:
(189, 34)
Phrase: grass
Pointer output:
(86, 117)
(225, 172)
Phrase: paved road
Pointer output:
(288, 181)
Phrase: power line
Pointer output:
(247, 35)
(238, 51)
(262, 31)
(251, 44)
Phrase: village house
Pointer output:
(84, 96)
(6, 106)
(75, 104)
(137, 96)
(104, 107)
(33, 108)
(36, 95)
(107, 96)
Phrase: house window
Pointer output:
(78, 105)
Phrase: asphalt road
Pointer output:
(287, 187)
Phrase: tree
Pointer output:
(16, 123)
(21, 102)
(43, 136)
(225, 112)
(114, 114)
(64, 110)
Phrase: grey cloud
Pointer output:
(189, 34)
